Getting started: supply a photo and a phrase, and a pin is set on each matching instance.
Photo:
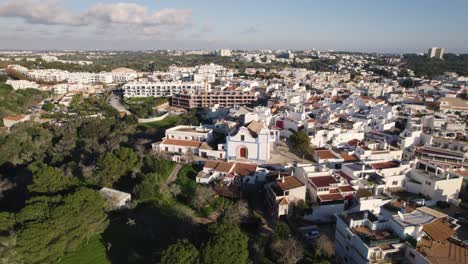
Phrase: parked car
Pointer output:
(313, 234)
(462, 220)
(418, 202)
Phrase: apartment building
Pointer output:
(433, 182)
(360, 238)
(162, 89)
(22, 84)
(226, 99)
(436, 52)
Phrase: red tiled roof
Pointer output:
(325, 154)
(14, 118)
(211, 164)
(224, 166)
(354, 142)
(184, 143)
(322, 181)
(290, 182)
(344, 175)
(330, 197)
(348, 158)
(245, 169)
(385, 165)
(346, 188)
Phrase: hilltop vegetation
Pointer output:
(430, 67)
(16, 102)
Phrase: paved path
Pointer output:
(114, 101)
(174, 173)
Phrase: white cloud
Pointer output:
(47, 12)
(112, 17)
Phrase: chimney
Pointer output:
(282, 179)
(366, 214)
(363, 167)
(403, 207)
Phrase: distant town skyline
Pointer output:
(362, 26)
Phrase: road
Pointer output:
(114, 101)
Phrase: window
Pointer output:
(286, 193)
(242, 137)
(180, 150)
(394, 182)
(167, 149)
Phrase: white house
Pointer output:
(282, 194)
(10, 121)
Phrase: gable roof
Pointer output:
(255, 127)
(245, 169)
(288, 183)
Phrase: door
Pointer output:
(243, 153)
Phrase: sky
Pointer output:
(387, 26)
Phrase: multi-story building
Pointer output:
(189, 140)
(22, 84)
(360, 239)
(433, 182)
(282, 194)
(435, 52)
(162, 89)
(227, 99)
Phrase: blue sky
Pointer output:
(359, 25)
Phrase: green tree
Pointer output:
(48, 180)
(226, 245)
(281, 231)
(300, 142)
(27, 142)
(182, 252)
(112, 166)
(48, 107)
(50, 227)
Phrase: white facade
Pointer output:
(247, 145)
(22, 84)
(161, 89)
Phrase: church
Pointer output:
(253, 142)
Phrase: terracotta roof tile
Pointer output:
(349, 158)
(322, 181)
(184, 143)
(346, 188)
(385, 165)
(245, 169)
(14, 118)
(438, 231)
(325, 154)
(330, 197)
(290, 182)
